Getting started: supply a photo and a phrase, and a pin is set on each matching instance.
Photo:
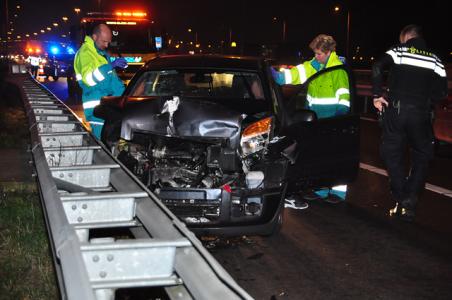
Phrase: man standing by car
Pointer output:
(417, 77)
(96, 75)
(327, 96)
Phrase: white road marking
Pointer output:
(428, 186)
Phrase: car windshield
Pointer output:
(199, 83)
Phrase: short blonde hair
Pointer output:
(324, 43)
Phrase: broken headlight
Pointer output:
(256, 136)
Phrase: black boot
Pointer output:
(404, 210)
(408, 209)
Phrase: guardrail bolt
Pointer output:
(103, 274)
(79, 219)
(110, 257)
(84, 206)
(96, 258)
(74, 207)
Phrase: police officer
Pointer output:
(96, 75)
(417, 77)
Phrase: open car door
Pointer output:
(324, 152)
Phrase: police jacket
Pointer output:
(416, 78)
(95, 75)
(328, 95)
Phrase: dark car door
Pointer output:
(324, 152)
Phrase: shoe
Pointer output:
(333, 199)
(403, 213)
(294, 201)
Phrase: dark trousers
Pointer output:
(401, 127)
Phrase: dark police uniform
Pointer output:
(417, 78)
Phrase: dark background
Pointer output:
(374, 25)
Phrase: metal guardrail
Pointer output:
(84, 188)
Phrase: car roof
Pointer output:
(206, 62)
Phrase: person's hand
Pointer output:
(278, 76)
(379, 102)
(120, 62)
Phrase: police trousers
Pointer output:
(402, 127)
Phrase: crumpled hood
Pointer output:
(183, 118)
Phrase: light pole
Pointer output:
(337, 9)
(284, 27)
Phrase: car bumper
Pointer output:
(219, 212)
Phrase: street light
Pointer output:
(337, 9)
(77, 10)
(275, 19)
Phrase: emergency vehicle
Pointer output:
(134, 38)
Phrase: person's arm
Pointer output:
(377, 80)
(91, 75)
(440, 89)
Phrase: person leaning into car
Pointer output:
(96, 75)
(327, 95)
(416, 78)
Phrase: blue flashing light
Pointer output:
(70, 50)
(55, 50)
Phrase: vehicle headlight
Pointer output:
(256, 136)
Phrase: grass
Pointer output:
(14, 131)
(26, 268)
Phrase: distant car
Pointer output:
(215, 139)
(56, 67)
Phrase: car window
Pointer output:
(327, 93)
(200, 83)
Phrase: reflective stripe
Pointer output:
(78, 77)
(90, 104)
(90, 80)
(440, 71)
(301, 73)
(342, 91)
(287, 76)
(417, 63)
(96, 123)
(340, 188)
(403, 56)
(392, 54)
(344, 102)
(98, 75)
(321, 101)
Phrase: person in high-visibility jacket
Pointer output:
(96, 75)
(328, 95)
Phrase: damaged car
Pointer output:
(214, 137)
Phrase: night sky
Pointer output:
(374, 25)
